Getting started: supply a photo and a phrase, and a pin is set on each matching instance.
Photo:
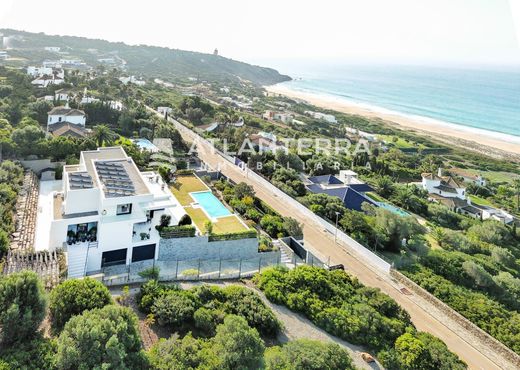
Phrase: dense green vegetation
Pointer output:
(150, 61)
(72, 297)
(342, 306)
(205, 307)
(101, 338)
(11, 179)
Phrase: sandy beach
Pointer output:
(482, 141)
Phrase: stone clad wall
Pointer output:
(200, 248)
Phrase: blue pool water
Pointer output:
(146, 145)
(210, 203)
(393, 209)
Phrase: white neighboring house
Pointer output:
(71, 62)
(46, 80)
(365, 135)
(66, 114)
(63, 94)
(266, 142)
(323, 116)
(107, 210)
(116, 105)
(39, 71)
(3, 55)
(132, 79)
(445, 186)
(469, 177)
(89, 100)
(277, 116)
(55, 49)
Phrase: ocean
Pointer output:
(486, 98)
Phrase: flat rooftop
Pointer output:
(111, 170)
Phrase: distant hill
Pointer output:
(149, 61)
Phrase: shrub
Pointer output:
(185, 220)
(245, 303)
(72, 297)
(101, 338)
(22, 306)
(308, 354)
(207, 320)
(185, 353)
(237, 345)
(174, 308)
(150, 292)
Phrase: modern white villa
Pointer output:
(105, 211)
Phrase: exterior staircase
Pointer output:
(77, 260)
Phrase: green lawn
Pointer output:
(184, 185)
(182, 188)
(400, 143)
(480, 201)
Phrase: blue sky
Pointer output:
(422, 31)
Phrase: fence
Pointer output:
(189, 270)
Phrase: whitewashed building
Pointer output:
(322, 116)
(66, 114)
(63, 94)
(46, 80)
(445, 186)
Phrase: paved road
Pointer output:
(423, 314)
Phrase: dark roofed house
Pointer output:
(352, 195)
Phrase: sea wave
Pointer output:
(373, 108)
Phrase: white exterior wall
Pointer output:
(57, 118)
(430, 187)
(61, 96)
(38, 71)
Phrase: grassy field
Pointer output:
(400, 143)
(494, 176)
(480, 201)
(182, 188)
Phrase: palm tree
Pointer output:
(384, 186)
(103, 135)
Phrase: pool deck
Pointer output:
(221, 225)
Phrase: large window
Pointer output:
(112, 258)
(81, 233)
(124, 209)
(143, 252)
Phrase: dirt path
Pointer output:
(424, 315)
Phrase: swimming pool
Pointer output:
(393, 209)
(210, 203)
(146, 144)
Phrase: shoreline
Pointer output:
(491, 143)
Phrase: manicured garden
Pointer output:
(181, 189)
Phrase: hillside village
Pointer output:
(104, 186)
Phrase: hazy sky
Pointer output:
(261, 31)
